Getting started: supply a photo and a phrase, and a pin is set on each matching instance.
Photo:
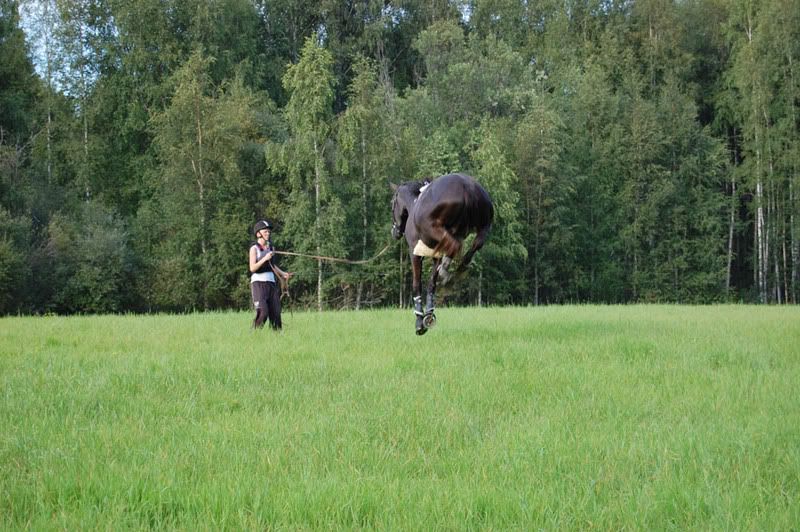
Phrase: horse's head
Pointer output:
(399, 212)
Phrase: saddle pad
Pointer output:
(422, 250)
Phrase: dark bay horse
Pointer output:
(435, 217)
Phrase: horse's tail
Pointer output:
(478, 206)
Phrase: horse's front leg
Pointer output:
(429, 320)
(416, 285)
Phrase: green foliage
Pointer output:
(505, 251)
(16, 73)
(315, 218)
(14, 268)
(546, 191)
(199, 138)
(365, 158)
(640, 151)
(89, 262)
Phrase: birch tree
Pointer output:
(362, 141)
(199, 187)
(746, 77)
(778, 50)
(315, 218)
(42, 19)
(84, 28)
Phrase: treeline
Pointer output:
(635, 151)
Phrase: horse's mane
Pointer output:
(415, 186)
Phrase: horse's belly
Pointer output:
(422, 250)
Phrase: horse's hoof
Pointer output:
(420, 326)
(429, 320)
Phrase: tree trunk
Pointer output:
(317, 207)
(537, 235)
(359, 291)
(786, 294)
(636, 244)
(525, 259)
(731, 220)
(197, 168)
(795, 245)
(85, 120)
(774, 212)
(759, 235)
(364, 211)
(761, 243)
(480, 287)
(731, 223)
(50, 91)
(775, 256)
(49, 143)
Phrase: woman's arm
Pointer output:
(254, 264)
(280, 272)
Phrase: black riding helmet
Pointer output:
(260, 225)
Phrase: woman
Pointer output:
(263, 285)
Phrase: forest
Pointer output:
(635, 150)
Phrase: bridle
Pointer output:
(400, 231)
(396, 229)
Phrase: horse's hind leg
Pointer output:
(416, 285)
(449, 246)
(477, 244)
(443, 271)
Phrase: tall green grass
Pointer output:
(645, 417)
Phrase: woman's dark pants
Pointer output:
(267, 300)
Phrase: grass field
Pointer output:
(642, 417)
